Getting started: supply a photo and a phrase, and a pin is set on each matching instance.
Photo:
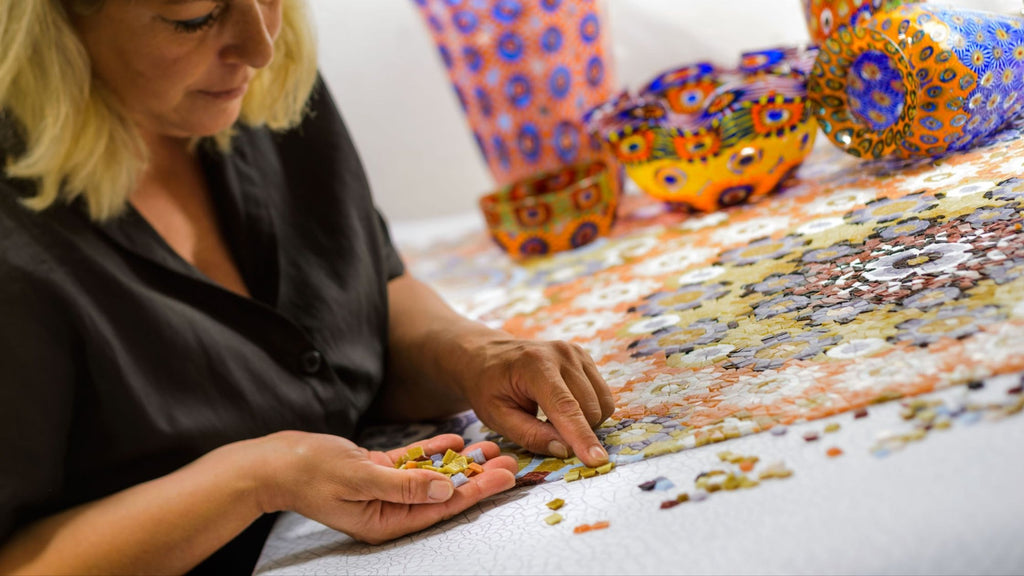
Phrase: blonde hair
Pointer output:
(77, 140)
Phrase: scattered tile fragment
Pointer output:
(476, 455)
(648, 485)
(581, 529)
(555, 504)
(600, 525)
(834, 451)
(975, 385)
(779, 430)
(663, 483)
(572, 475)
(810, 436)
(699, 495)
(747, 465)
(683, 497)
(458, 479)
(669, 504)
(860, 413)
(832, 427)
(553, 519)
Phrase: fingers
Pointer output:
(379, 480)
(433, 445)
(600, 387)
(497, 477)
(564, 412)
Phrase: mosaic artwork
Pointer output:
(524, 71)
(858, 283)
(704, 138)
(920, 80)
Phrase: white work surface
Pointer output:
(948, 504)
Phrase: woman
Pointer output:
(200, 303)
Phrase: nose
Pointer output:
(253, 30)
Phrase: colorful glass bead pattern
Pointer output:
(825, 17)
(919, 80)
(553, 212)
(524, 71)
(859, 282)
(701, 138)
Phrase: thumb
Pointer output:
(375, 482)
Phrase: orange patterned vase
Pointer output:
(920, 80)
(524, 71)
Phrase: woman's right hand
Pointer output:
(359, 492)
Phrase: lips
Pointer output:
(226, 94)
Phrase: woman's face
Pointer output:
(180, 67)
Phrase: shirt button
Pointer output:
(311, 361)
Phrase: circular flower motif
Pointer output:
(551, 40)
(1008, 190)
(678, 340)
(908, 227)
(857, 349)
(529, 142)
(567, 141)
(595, 71)
(776, 350)
(761, 250)
(705, 356)
(930, 298)
(474, 60)
(774, 284)
(818, 226)
(534, 247)
(507, 10)
(701, 275)
(683, 298)
(510, 46)
(612, 295)
(933, 259)
(590, 28)
(749, 230)
(579, 326)
(780, 305)
(560, 82)
(982, 217)
(465, 20)
(840, 313)
(829, 253)
(955, 322)
(1005, 271)
(653, 324)
(888, 209)
(770, 386)
(519, 91)
(675, 261)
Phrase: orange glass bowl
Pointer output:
(552, 211)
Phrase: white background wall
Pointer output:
(414, 141)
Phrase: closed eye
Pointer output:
(196, 24)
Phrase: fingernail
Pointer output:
(556, 448)
(598, 453)
(440, 490)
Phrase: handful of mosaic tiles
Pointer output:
(460, 468)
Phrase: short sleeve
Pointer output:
(36, 383)
(392, 261)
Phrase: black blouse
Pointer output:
(120, 362)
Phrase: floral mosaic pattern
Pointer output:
(860, 282)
